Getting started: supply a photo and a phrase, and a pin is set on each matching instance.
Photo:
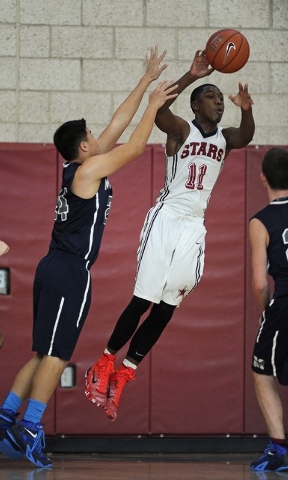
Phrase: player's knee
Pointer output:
(139, 305)
(165, 311)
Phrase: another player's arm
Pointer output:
(259, 240)
(88, 176)
(126, 111)
(241, 136)
(3, 247)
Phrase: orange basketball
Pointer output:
(227, 50)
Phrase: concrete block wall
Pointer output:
(71, 58)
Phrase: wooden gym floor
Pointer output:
(138, 467)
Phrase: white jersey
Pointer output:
(193, 171)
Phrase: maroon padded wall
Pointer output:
(28, 194)
(197, 380)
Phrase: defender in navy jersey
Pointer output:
(79, 223)
(170, 258)
(62, 288)
(268, 230)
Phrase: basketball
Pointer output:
(227, 50)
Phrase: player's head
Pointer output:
(207, 104)
(68, 137)
(275, 168)
(196, 94)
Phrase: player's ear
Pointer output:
(263, 179)
(195, 106)
(83, 146)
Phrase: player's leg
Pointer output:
(270, 404)
(159, 239)
(187, 264)
(20, 390)
(47, 377)
(269, 361)
(148, 274)
(23, 381)
(275, 457)
(142, 342)
(60, 310)
(28, 434)
(127, 323)
(158, 242)
(149, 331)
(97, 377)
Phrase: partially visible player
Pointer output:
(171, 252)
(268, 230)
(3, 249)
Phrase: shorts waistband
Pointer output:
(70, 256)
(183, 215)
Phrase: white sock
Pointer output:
(107, 351)
(126, 363)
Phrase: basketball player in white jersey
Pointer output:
(170, 258)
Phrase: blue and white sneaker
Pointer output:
(7, 446)
(30, 438)
(275, 459)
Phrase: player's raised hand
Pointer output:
(200, 66)
(243, 98)
(153, 68)
(163, 92)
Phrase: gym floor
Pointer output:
(138, 467)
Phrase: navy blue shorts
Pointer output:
(61, 301)
(270, 355)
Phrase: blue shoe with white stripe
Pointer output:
(30, 438)
(275, 459)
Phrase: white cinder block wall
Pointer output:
(64, 59)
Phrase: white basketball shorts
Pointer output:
(170, 257)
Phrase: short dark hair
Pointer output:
(275, 168)
(68, 137)
(198, 90)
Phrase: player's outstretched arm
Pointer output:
(90, 173)
(165, 120)
(1, 339)
(126, 111)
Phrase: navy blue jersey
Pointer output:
(79, 223)
(275, 219)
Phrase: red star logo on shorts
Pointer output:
(182, 292)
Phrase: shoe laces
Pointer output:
(122, 376)
(105, 367)
(39, 440)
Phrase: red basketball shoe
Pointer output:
(97, 379)
(118, 381)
